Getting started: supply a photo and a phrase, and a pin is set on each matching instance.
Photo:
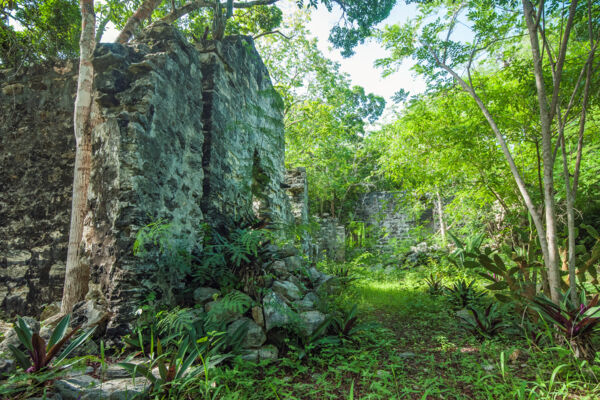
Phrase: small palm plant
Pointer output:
(40, 353)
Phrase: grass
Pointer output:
(416, 349)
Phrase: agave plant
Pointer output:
(486, 322)
(575, 323)
(463, 294)
(435, 285)
(40, 353)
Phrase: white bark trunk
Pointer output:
(77, 274)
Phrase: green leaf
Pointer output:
(138, 370)
(59, 331)
(488, 264)
(499, 262)
(591, 231)
(471, 264)
(74, 344)
(22, 359)
(24, 333)
(503, 298)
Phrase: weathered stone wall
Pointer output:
(388, 217)
(297, 191)
(36, 174)
(147, 152)
(189, 134)
(244, 138)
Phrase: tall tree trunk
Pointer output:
(440, 212)
(77, 275)
(546, 112)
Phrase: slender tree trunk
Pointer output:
(546, 116)
(77, 274)
(143, 12)
(440, 211)
(549, 262)
(570, 227)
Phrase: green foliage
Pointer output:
(166, 257)
(463, 294)
(42, 354)
(175, 366)
(225, 259)
(435, 285)
(576, 322)
(36, 30)
(485, 323)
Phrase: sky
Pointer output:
(361, 66)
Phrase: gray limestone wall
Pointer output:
(297, 191)
(147, 158)
(387, 217)
(36, 174)
(186, 133)
(244, 138)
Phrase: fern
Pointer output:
(233, 302)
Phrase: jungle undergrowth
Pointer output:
(416, 349)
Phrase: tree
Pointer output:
(496, 27)
(325, 118)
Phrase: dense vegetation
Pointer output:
(502, 303)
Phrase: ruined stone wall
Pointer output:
(297, 190)
(188, 134)
(147, 152)
(387, 217)
(244, 138)
(36, 174)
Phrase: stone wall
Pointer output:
(388, 217)
(36, 174)
(188, 134)
(244, 138)
(297, 191)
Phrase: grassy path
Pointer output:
(412, 348)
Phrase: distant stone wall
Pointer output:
(297, 190)
(388, 217)
(189, 134)
(36, 174)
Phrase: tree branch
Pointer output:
(144, 11)
(195, 5)
(270, 33)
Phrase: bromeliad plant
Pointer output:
(463, 294)
(435, 285)
(175, 365)
(42, 354)
(485, 323)
(575, 322)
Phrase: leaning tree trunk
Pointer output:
(143, 12)
(77, 274)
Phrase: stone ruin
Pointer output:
(186, 133)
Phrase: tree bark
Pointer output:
(77, 274)
(143, 12)
(440, 211)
